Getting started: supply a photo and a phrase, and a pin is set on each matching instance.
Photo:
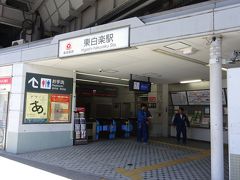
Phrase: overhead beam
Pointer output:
(11, 16)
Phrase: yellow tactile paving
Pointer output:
(176, 146)
(135, 174)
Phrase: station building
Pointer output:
(43, 83)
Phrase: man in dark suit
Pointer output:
(181, 121)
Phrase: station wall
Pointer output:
(30, 137)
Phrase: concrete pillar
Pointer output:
(216, 114)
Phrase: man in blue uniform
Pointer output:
(142, 124)
(181, 121)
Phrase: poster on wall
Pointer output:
(179, 98)
(202, 97)
(47, 99)
(3, 118)
(36, 108)
(5, 84)
(60, 108)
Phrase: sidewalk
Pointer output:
(12, 167)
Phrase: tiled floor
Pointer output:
(105, 157)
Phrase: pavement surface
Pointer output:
(123, 159)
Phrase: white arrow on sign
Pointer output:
(33, 81)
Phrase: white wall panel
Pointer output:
(17, 84)
(14, 119)
(11, 57)
(185, 26)
(41, 52)
(16, 101)
(5, 71)
(227, 18)
(233, 110)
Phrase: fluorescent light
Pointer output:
(86, 80)
(190, 81)
(114, 84)
(125, 79)
(95, 75)
(223, 69)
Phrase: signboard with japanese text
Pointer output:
(5, 84)
(60, 108)
(47, 99)
(48, 84)
(202, 97)
(36, 108)
(102, 41)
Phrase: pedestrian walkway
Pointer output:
(11, 170)
(127, 159)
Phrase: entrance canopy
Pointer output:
(167, 47)
(169, 62)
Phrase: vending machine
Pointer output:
(80, 130)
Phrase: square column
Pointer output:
(233, 79)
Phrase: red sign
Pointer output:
(152, 99)
(68, 46)
(80, 109)
(5, 80)
(60, 108)
(5, 84)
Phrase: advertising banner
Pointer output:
(60, 108)
(36, 108)
(5, 84)
(47, 99)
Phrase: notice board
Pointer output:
(47, 99)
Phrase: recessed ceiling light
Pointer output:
(116, 84)
(95, 75)
(125, 79)
(223, 69)
(190, 81)
(177, 46)
(188, 51)
(86, 80)
(110, 71)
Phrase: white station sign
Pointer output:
(103, 41)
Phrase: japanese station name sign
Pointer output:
(98, 42)
(48, 84)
